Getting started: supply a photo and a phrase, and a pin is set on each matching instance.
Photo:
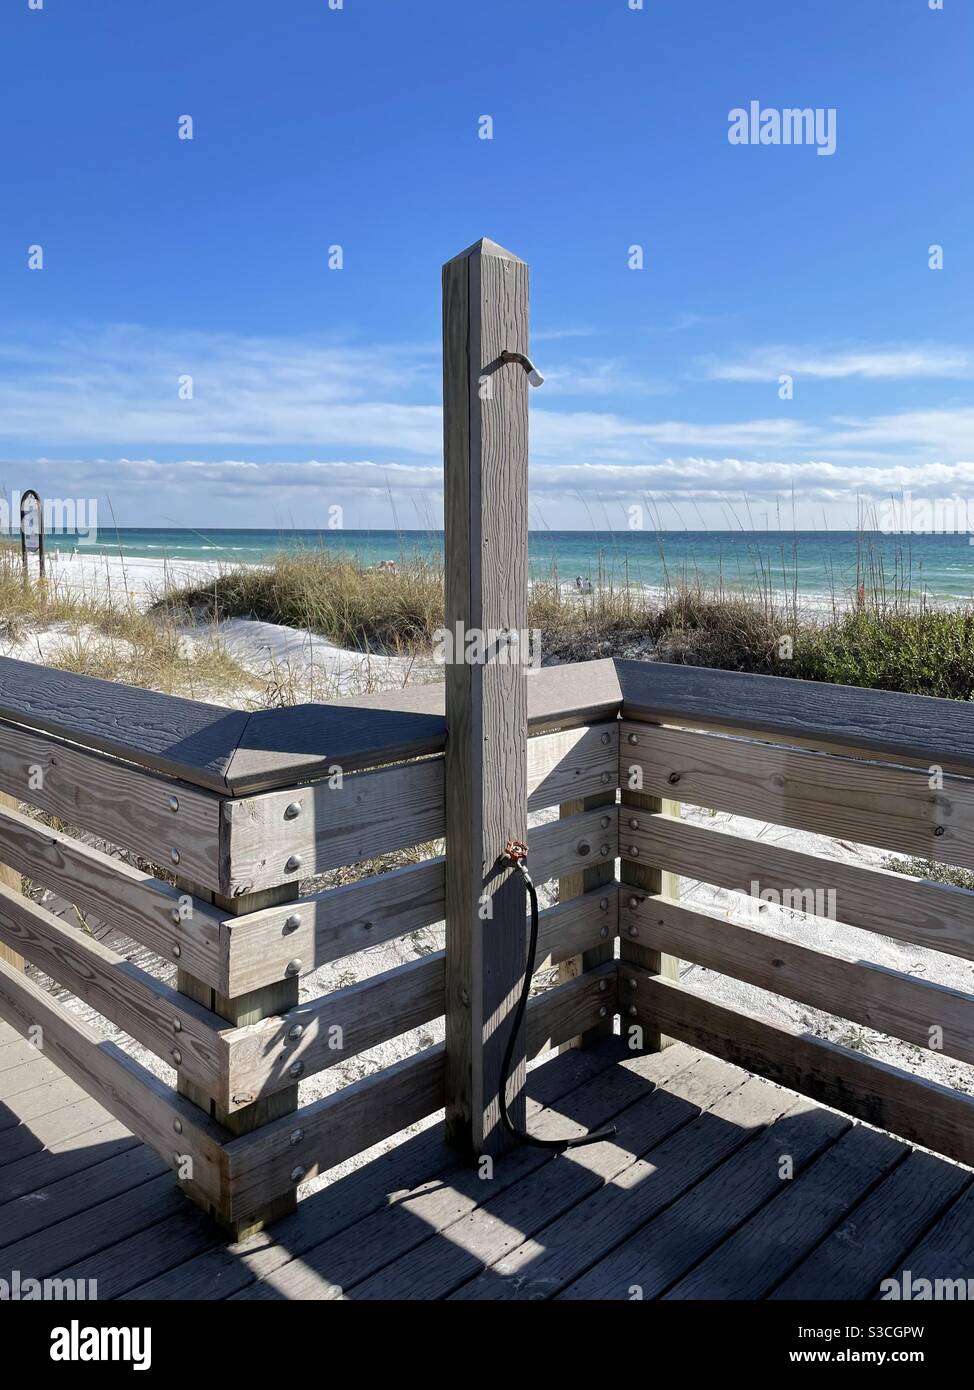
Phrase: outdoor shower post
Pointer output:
(485, 431)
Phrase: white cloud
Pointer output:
(892, 363)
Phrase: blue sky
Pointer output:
(359, 127)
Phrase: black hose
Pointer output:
(523, 1137)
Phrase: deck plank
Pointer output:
(67, 1197)
(878, 1232)
(947, 1249)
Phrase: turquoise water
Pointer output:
(824, 561)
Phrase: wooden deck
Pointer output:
(689, 1200)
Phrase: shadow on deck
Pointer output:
(717, 1185)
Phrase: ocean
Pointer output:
(823, 562)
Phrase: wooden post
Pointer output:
(247, 1008)
(648, 878)
(10, 878)
(570, 887)
(485, 429)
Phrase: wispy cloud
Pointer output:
(882, 363)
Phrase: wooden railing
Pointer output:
(220, 901)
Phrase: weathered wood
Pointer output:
(576, 763)
(916, 727)
(174, 1028)
(641, 877)
(910, 1106)
(10, 877)
(183, 738)
(570, 1009)
(145, 908)
(893, 807)
(341, 921)
(935, 915)
(130, 807)
(576, 886)
(903, 1006)
(284, 836)
(146, 1105)
(485, 431)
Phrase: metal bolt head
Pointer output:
(177, 1126)
(606, 778)
(605, 822)
(293, 967)
(295, 1032)
(177, 1027)
(633, 902)
(177, 1056)
(297, 1174)
(632, 1011)
(604, 932)
(633, 931)
(295, 1136)
(292, 922)
(177, 951)
(292, 810)
(633, 738)
(604, 904)
(634, 851)
(174, 855)
(633, 984)
(293, 863)
(633, 823)
(583, 849)
(604, 851)
(174, 803)
(175, 915)
(603, 985)
(603, 1011)
(367, 926)
(605, 738)
(296, 1069)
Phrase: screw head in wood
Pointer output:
(603, 1011)
(367, 926)
(633, 931)
(605, 738)
(605, 822)
(603, 985)
(177, 1056)
(294, 862)
(606, 778)
(177, 1126)
(633, 823)
(604, 904)
(939, 830)
(297, 1174)
(177, 951)
(634, 851)
(633, 738)
(604, 851)
(295, 1032)
(295, 1136)
(293, 967)
(174, 803)
(604, 932)
(292, 922)
(633, 1011)
(174, 855)
(175, 915)
(177, 1027)
(583, 848)
(292, 810)
(296, 1069)
(633, 984)
(633, 902)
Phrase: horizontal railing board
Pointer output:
(155, 1014)
(344, 821)
(153, 1111)
(886, 723)
(572, 764)
(576, 842)
(183, 738)
(900, 1005)
(351, 1020)
(912, 1107)
(282, 747)
(919, 911)
(127, 806)
(147, 909)
(894, 808)
(355, 916)
(317, 1137)
(334, 1028)
(348, 819)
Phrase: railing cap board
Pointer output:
(184, 738)
(884, 722)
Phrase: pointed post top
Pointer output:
(485, 247)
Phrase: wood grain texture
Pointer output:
(917, 727)
(10, 877)
(145, 908)
(340, 822)
(183, 738)
(935, 915)
(579, 886)
(872, 803)
(485, 311)
(129, 807)
(910, 1106)
(143, 1103)
(573, 763)
(902, 1006)
(184, 1035)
